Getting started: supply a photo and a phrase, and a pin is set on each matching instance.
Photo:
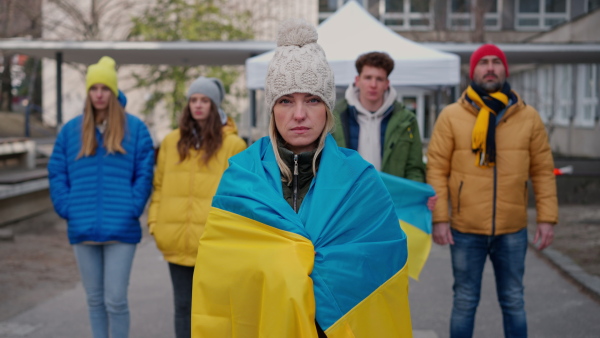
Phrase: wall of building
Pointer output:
(575, 141)
(266, 14)
(466, 36)
(582, 30)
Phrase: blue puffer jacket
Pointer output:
(102, 196)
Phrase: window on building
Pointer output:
(545, 93)
(564, 94)
(541, 14)
(592, 5)
(524, 83)
(529, 87)
(407, 14)
(462, 14)
(328, 7)
(587, 89)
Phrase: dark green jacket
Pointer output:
(402, 148)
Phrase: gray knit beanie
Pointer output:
(211, 87)
(299, 65)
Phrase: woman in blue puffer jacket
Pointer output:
(100, 175)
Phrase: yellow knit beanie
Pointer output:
(103, 72)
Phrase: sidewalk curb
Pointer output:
(572, 270)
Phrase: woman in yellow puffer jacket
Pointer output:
(190, 163)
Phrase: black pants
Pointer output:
(182, 278)
(320, 332)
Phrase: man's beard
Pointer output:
(491, 87)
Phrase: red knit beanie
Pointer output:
(486, 50)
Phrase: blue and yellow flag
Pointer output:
(265, 271)
(410, 200)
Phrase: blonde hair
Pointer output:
(115, 128)
(274, 136)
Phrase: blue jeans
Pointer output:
(507, 253)
(182, 278)
(105, 271)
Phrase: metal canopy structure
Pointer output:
(524, 53)
(177, 53)
(192, 53)
(189, 53)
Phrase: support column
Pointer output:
(252, 114)
(59, 61)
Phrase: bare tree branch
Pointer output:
(74, 13)
(98, 22)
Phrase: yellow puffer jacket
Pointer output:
(183, 194)
(490, 201)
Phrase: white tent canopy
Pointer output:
(352, 31)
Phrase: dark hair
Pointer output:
(210, 137)
(375, 59)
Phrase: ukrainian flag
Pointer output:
(410, 200)
(265, 271)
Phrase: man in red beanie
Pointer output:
(483, 151)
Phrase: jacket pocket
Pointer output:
(395, 155)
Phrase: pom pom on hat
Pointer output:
(296, 32)
(103, 72)
(299, 65)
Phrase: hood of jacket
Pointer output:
(352, 96)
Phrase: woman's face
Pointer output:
(100, 96)
(200, 105)
(300, 119)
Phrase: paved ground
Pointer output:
(46, 300)
(556, 308)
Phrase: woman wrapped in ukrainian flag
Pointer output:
(302, 239)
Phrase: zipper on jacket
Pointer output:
(188, 228)
(494, 202)
(295, 184)
(459, 193)
(100, 212)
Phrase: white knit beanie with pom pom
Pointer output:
(299, 65)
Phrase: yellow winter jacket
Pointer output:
(183, 193)
(490, 201)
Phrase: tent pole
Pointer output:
(438, 101)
